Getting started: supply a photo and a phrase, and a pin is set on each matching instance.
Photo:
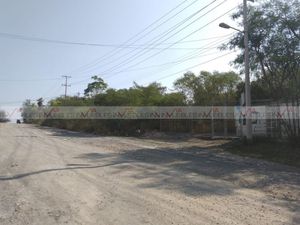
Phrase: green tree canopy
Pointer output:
(208, 88)
(153, 94)
(3, 117)
(96, 87)
(274, 28)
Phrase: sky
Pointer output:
(32, 69)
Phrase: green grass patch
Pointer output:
(268, 149)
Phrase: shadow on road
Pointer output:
(193, 170)
(70, 167)
(197, 171)
(190, 170)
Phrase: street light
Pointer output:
(226, 26)
(249, 136)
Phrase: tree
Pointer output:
(208, 88)
(189, 85)
(71, 101)
(172, 99)
(3, 117)
(274, 39)
(96, 87)
(274, 28)
(153, 94)
(259, 92)
(150, 95)
(40, 102)
(27, 108)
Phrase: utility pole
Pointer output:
(212, 122)
(249, 136)
(66, 85)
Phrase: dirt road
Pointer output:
(50, 176)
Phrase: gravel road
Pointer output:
(50, 176)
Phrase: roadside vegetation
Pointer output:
(275, 68)
(188, 91)
(279, 151)
(3, 117)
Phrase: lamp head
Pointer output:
(224, 25)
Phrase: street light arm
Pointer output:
(237, 29)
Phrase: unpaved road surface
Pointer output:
(50, 176)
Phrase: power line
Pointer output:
(208, 46)
(28, 80)
(47, 40)
(53, 79)
(172, 62)
(132, 39)
(154, 66)
(197, 30)
(98, 45)
(186, 57)
(141, 53)
(50, 90)
(44, 96)
(197, 40)
(164, 77)
(192, 67)
(154, 40)
(31, 99)
(118, 48)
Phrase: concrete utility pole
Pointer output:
(66, 85)
(249, 136)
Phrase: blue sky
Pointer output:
(29, 69)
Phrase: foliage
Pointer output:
(71, 101)
(27, 109)
(152, 95)
(40, 102)
(208, 88)
(3, 117)
(95, 87)
(274, 40)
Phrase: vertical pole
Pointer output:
(212, 122)
(66, 85)
(247, 74)
(225, 118)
